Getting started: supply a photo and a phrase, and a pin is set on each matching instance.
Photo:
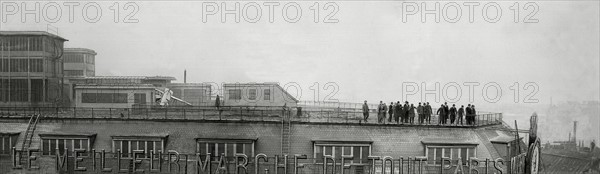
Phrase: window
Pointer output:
(434, 153)
(36, 65)
(5, 65)
(7, 141)
(51, 143)
(267, 95)
(252, 94)
(104, 98)
(229, 147)
(73, 72)
(139, 98)
(73, 58)
(18, 65)
(235, 94)
(19, 90)
(37, 90)
(358, 150)
(148, 144)
(4, 92)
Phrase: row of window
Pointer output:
(32, 43)
(73, 72)
(464, 152)
(236, 94)
(104, 98)
(79, 72)
(138, 98)
(18, 90)
(79, 58)
(49, 146)
(22, 65)
(359, 153)
(126, 147)
(194, 96)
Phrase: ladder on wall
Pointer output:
(286, 127)
(29, 135)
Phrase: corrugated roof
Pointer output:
(30, 33)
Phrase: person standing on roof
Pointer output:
(461, 113)
(406, 111)
(412, 112)
(390, 112)
(365, 109)
(468, 111)
(429, 112)
(452, 114)
(421, 113)
(440, 113)
(397, 112)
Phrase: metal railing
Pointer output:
(234, 113)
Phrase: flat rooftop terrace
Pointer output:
(233, 114)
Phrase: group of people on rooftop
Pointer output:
(406, 113)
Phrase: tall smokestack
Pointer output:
(575, 131)
(184, 76)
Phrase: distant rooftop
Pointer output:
(130, 77)
(30, 33)
(251, 84)
(189, 84)
(113, 86)
(80, 50)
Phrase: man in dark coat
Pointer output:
(406, 109)
(380, 112)
(473, 114)
(468, 112)
(420, 111)
(446, 113)
(397, 111)
(452, 114)
(440, 113)
(391, 112)
(429, 112)
(411, 114)
(461, 113)
(365, 109)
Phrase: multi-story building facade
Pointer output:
(79, 62)
(31, 68)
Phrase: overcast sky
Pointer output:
(369, 53)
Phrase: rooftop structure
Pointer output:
(79, 62)
(257, 94)
(31, 69)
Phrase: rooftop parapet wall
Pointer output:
(229, 113)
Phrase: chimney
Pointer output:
(575, 131)
(184, 76)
